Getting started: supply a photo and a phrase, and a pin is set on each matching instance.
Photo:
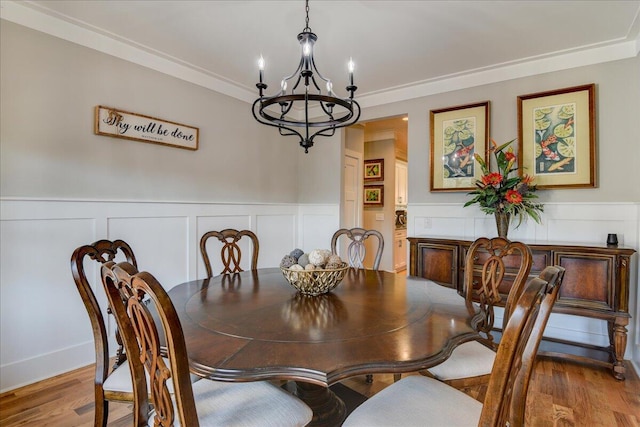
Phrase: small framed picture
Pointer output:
(374, 170)
(374, 195)
(457, 134)
(557, 137)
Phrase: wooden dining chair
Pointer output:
(205, 402)
(356, 250)
(230, 252)
(422, 401)
(113, 384)
(471, 363)
(488, 263)
(493, 268)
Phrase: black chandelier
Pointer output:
(335, 112)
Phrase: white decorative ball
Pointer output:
(334, 259)
(317, 257)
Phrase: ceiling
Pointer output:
(399, 47)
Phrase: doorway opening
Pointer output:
(381, 144)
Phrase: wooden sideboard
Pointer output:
(596, 285)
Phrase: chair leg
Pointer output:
(101, 413)
(369, 379)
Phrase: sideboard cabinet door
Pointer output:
(435, 261)
(582, 287)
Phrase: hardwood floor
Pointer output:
(561, 394)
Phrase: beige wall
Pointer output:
(48, 150)
(618, 136)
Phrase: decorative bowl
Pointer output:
(315, 282)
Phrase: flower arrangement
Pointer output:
(499, 194)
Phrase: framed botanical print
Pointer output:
(374, 195)
(557, 141)
(374, 170)
(457, 133)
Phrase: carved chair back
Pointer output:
(506, 396)
(230, 253)
(102, 251)
(356, 250)
(487, 264)
(143, 338)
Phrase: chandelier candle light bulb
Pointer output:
(261, 67)
(351, 67)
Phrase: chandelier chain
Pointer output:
(307, 28)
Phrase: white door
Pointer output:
(352, 203)
(352, 194)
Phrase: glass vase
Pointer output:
(502, 223)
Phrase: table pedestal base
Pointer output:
(328, 409)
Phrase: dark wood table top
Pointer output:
(255, 326)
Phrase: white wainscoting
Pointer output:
(44, 329)
(561, 222)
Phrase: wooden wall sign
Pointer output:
(123, 124)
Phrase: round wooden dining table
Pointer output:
(254, 325)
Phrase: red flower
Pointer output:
(509, 155)
(527, 179)
(494, 178)
(513, 197)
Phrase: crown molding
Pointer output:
(123, 49)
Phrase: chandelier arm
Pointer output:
(297, 72)
(281, 127)
(317, 72)
(322, 132)
(285, 107)
(306, 114)
(325, 106)
(290, 132)
(313, 80)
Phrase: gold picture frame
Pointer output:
(457, 133)
(374, 195)
(557, 137)
(374, 170)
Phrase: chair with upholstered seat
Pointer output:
(230, 253)
(115, 384)
(211, 403)
(422, 401)
(471, 362)
(487, 263)
(356, 250)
